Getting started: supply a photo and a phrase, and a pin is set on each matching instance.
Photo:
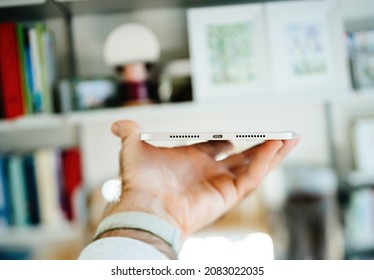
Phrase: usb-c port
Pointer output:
(217, 136)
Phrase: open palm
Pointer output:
(186, 185)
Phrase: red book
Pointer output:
(10, 72)
(72, 178)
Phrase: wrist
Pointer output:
(143, 236)
(145, 204)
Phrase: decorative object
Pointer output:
(306, 40)
(227, 50)
(128, 49)
(361, 50)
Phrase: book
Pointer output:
(35, 70)
(46, 171)
(10, 72)
(1, 102)
(50, 65)
(72, 177)
(61, 187)
(17, 187)
(34, 100)
(25, 84)
(31, 189)
(45, 89)
(5, 218)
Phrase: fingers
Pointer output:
(238, 160)
(288, 145)
(125, 129)
(213, 148)
(128, 131)
(259, 166)
(242, 159)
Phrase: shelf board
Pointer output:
(110, 6)
(29, 10)
(38, 235)
(37, 121)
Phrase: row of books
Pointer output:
(42, 187)
(361, 51)
(27, 69)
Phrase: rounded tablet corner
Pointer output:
(294, 135)
(144, 136)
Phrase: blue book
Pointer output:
(31, 189)
(5, 217)
(17, 186)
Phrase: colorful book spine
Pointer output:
(10, 72)
(5, 219)
(46, 170)
(36, 70)
(32, 189)
(71, 170)
(25, 80)
(49, 45)
(46, 93)
(17, 186)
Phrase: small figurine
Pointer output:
(128, 49)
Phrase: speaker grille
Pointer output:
(250, 136)
(185, 136)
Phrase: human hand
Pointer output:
(186, 186)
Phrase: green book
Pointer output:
(27, 91)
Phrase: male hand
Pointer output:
(186, 186)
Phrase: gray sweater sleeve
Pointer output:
(120, 248)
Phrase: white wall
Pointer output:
(170, 26)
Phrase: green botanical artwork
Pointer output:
(230, 54)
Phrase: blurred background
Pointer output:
(69, 68)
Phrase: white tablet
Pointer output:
(214, 136)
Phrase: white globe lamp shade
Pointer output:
(131, 43)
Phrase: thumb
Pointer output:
(126, 130)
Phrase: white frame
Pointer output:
(326, 15)
(198, 19)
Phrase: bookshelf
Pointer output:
(74, 128)
(99, 7)
(29, 236)
(29, 10)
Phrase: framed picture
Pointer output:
(307, 46)
(227, 50)
(361, 49)
(364, 144)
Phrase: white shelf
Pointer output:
(45, 121)
(31, 122)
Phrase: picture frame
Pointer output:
(361, 50)
(228, 51)
(363, 144)
(307, 46)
